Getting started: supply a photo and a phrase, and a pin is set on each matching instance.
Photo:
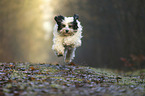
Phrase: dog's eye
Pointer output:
(70, 26)
(63, 25)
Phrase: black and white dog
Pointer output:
(67, 36)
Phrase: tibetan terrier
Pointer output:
(67, 36)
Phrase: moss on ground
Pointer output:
(58, 80)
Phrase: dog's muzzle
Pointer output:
(66, 31)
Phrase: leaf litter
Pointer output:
(27, 79)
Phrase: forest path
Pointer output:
(67, 80)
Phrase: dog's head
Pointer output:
(67, 26)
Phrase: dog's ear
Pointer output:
(75, 25)
(59, 18)
(76, 16)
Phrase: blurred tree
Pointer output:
(112, 29)
(21, 33)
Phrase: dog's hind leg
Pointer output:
(69, 54)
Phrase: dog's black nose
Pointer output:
(66, 31)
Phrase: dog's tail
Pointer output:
(69, 54)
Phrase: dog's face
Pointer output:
(67, 26)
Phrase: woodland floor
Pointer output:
(28, 79)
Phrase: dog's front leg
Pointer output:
(58, 46)
(72, 42)
(69, 54)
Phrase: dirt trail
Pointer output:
(66, 80)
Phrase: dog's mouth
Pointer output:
(66, 33)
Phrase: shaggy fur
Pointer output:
(67, 36)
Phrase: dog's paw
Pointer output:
(68, 44)
(59, 55)
(67, 61)
(59, 50)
